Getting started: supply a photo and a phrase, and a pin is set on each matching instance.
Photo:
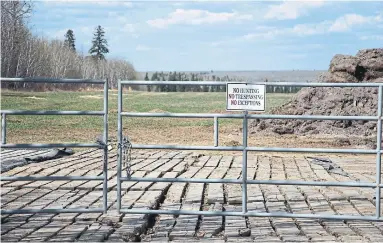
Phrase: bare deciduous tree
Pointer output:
(25, 55)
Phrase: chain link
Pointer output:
(126, 155)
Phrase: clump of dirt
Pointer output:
(366, 66)
(232, 143)
(158, 111)
(35, 98)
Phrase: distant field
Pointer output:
(42, 129)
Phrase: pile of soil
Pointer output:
(366, 66)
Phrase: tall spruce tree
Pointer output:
(146, 77)
(99, 44)
(70, 40)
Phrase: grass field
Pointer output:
(43, 129)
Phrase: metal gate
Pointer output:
(245, 148)
(103, 145)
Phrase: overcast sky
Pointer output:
(218, 35)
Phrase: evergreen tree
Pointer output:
(154, 76)
(99, 44)
(69, 40)
(146, 77)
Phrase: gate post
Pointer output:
(244, 164)
(105, 140)
(119, 152)
(378, 153)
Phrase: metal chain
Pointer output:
(126, 155)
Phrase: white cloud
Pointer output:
(196, 17)
(96, 2)
(114, 3)
(292, 9)
(346, 22)
(142, 48)
(371, 37)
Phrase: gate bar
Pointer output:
(53, 80)
(266, 149)
(52, 145)
(52, 210)
(250, 116)
(266, 182)
(216, 131)
(251, 214)
(3, 128)
(52, 178)
(71, 113)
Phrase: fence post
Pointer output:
(105, 140)
(378, 153)
(244, 164)
(216, 131)
(3, 129)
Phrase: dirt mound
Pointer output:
(366, 66)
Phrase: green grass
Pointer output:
(83, 127)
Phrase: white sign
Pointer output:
(242, 96)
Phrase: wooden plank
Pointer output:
(226, 161)
(19, 171)
(202, 161)
(215, 190)
(96, 233)
(261, 228)
(25, 199)
(171, 154)
(213, 161)
(180, 167)
(182, 155)
(126, 185)
(169, 165)
(142, 164)
(85, 185)
(135, 224)
(235, 226)
(19, 233)
(195, 190)
(60, 202)
(156, 164)
(46, 232)
(234, 191)
(160, 186)
(237, 162)
(142, 186)
(186, 224)
(83, 201)
(212, 226)
(70, 233)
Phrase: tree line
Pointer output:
(26, 55)
(202, 76)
